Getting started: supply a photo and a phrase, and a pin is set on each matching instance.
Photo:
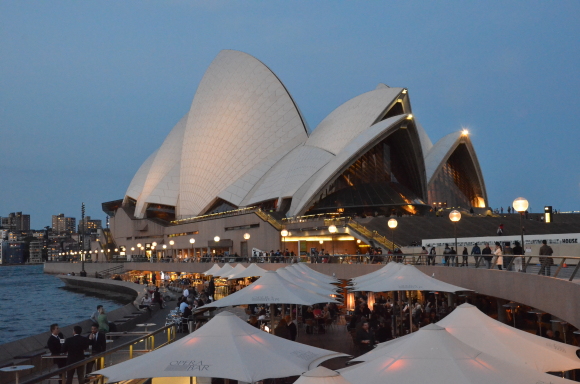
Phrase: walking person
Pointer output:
(464, 256)
(518, 261)
(446, 253)
(498, 255)
(476, 251)
(546, 262)
(507, 259)
(431, 257)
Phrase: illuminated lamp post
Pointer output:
(153, 246)
(192, 241)
(284, 233)
(247, 237)
(521, 206)
(392, 223)
(164, 250)
(332, 229)
(139, 248)
(171, 242)
(132, 252)
(455, 216)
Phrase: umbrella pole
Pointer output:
(410, 316)
(272, 313)
(400, 297)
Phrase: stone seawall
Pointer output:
(28, 350)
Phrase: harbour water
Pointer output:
(30, 301)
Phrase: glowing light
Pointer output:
(520, 204)
(284, 233)
(247, 236)
(392, 223)
(332, 229)
(454, 215)
(410, 116)
(465, 132)
(216, 239)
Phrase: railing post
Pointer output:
(559, 267)
(575, 271)
(131, 351)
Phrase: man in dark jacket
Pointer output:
(487, 255)
(291, 328)
(99, 342)
(75, 347)
(365, 338)
(476, 252)
(55, 346)
(546, 262)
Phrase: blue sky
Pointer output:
(89, 89)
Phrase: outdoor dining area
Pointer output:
(466, 346)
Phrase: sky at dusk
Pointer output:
(89, 89)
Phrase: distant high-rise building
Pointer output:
(62, 224)
(90, 226)
(16, 221)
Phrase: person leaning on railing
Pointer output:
(546, 262)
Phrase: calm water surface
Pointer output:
(30, 301)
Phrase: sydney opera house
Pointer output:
(244, 148)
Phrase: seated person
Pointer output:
(253, 321)
(146, 303)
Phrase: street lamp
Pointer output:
(247, 237)
(332, 229)
(455, 216)
(171, 242)
(392, 223)
(139, 248)
(192, 241)
(164, 248)
(284, 233)
(521, 206)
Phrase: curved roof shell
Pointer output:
(442, 151)
(240, 115)
(244, 141)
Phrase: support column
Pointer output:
(501, 310)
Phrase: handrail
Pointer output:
(358, 227)
(213, 216)
(266, 217)
(172, 332)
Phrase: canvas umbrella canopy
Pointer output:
(385, 271)
(432, 355)
(315, 274)
(226, 347)
(225, 270)
(271, 289)
(408, 278)
(214, 269)
(321, 375)
(237, 269)
(326, 289)
(480, 331)
(251, 271)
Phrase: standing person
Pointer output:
(431, 257)
(98, 340)
(211, 289)
(95, 316)
(75, 346)
(546, 262)
(55, 346)
(518, 261)
(499, 255)
(476, 251)
(153, 278)
(464, 257)
(103, 321)
(453, 258)
(424, 251)
(291, 327)
(281, 330)
(507, 259)
(157, 297)
(446, 253)
(487, 251)
(365, 338)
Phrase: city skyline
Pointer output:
(87, 99)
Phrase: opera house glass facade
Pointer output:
(368, 156)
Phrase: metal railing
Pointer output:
(147, 338)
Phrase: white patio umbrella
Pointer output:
(226, 269)
(226, 347)
(322, 288)
(321, 375)
(432, 355)
(315, 274)
(480, 331)
(407, 278)
(271, 289)
(387, 270)
(237, 269)
(252, 271)
(214, 268)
